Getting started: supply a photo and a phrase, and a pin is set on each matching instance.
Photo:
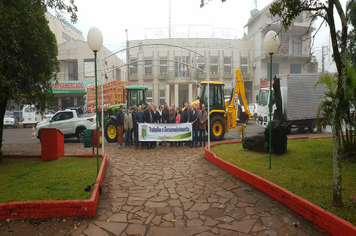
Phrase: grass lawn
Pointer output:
(32, 179)
(306, 170)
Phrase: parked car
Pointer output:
(70, 123)
(30, 115)
(48, 115)
(10, 120)
(253, 109)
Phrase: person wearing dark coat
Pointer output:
(134, 130)
(149, 119)
(165, 114)
(120, 126)
(194, 121)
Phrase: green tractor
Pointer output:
(135, 95)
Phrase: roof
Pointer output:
(212, 82)
(136, 87)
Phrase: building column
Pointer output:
(75, 101)
(167, 94)
(176, 93)
(190, 93)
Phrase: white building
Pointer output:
(171, 74)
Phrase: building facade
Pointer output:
(76, 62)
(172, 69)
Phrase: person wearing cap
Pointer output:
(120, 126)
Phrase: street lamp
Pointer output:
(95, 42)
(271, 45)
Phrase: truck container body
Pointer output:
(300, 101)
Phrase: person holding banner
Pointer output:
(203, 121)
(140, 118)
(149, 119)
(171, 120)
(193, 120)
(178, 117)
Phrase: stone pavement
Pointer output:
(168, 191)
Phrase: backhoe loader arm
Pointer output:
(233, 105)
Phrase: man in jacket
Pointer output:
(193, 120)
(149, 119)
(120, 126)
(203, 121)
(128, 126)
(134, 129)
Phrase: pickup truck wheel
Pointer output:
(110, 131)
(80, 135)
(217, 131)
(313, 127)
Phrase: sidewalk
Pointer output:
(168, 191)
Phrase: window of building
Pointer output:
(275, 70)
(297, 45)
(162, 97)
(299, 18)
(149, 96)
(148, 66)
(72, 70)
(163, 68)
(133, 66)
(295, 68)
(181, 67)
(244, 65)
(89, 69)
(227, 65)
(65, 37)
(214, 65)
(201, 64)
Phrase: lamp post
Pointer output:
(95, 42)
(271, 43)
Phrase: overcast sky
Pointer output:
(112, 17)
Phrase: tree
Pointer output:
(28, 53)
(287, 11)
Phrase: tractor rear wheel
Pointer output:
(217, 131)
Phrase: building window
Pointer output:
(65, 37)
(201, 64)
(181, 67)
(275, 70)
(149, 96)
(163, 69)
(244, 65)
(295, 68)
(133, 66)
(89, 68)
(162, 97)
(214, 65)
(297, 45)
(299, 18)
(148, 66)
(72, 70)
(227, 65)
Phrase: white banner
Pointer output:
(165, 132)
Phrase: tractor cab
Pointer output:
(136, 95)
(217, 100)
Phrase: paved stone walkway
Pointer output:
(168, 191)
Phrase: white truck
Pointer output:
(70, 122)
(300, 101)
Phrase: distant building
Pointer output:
(76, 62)
(170, 72)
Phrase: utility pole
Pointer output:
(127, 57)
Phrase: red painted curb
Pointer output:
(53, 208)
(311, 212)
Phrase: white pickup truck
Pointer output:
(70, 123)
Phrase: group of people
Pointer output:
(128, 122)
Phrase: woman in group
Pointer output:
(178, 116)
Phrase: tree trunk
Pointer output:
(337, 197)
(3, 104)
